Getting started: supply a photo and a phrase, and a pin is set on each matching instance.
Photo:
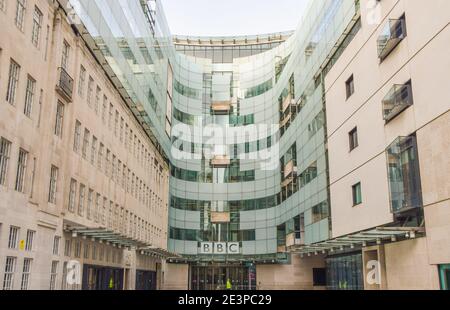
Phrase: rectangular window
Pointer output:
(26, 270)
(308, 175)
(59, 119)
(89, 204)
(37, 26)
(65, 56)
(357, 195)
(68, 248)
(121, 129)
(94, 252)
(13, 237)
(105, 201)
(350, 86)
(81, 200)
(97, 99)
(108, 162)
(10, 269)
(116, 123)
(105, 104)
(53, 275)
(93, 150)
(53, 182)
(13, 82)
(353, 139)
(110, 119)
(77, 137)
(29, 96)
(64, 283)
(126, 136)
(29, 240)
(90, 91)
(56, 241)
(72, 195)
(319, 212)
(86, 139)
(97, 207)
(86, 251)
(21, 170)
(101, 253)
(119, 171)
(77, 252)
(20, 14)
(100, 156)
(124, 177)
(113, 168)
(5, 149)
(81, 81)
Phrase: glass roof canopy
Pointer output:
(374, 236)
(115, 238)
(232, 40)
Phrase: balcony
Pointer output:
(221, 107)
(290, 169)
(393, 33)
(220, 217)
(220, 161)
(64, 85)
(397, 100)
(289, 180)
(404, 175)
(288, 102)
(281, 249)
(295, 239)
(285, 120)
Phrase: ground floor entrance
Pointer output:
(102, 278)
(222, 277)
(145, 280)
(345, 272)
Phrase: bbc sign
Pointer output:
(219, 248)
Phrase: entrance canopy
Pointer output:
(158, 252)
(108, 236)
(375, 236)
(103, 234)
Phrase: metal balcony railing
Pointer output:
(220, 161)
(393, 33)
(221, 107)
(397, 100)
(288, 101)
(64, 84)
(289, 169)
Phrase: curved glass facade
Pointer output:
(245, 137)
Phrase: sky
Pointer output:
(232, 17)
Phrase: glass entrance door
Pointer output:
(216, 277)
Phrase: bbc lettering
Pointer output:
(219, 248)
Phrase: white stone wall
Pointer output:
(31, 210)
